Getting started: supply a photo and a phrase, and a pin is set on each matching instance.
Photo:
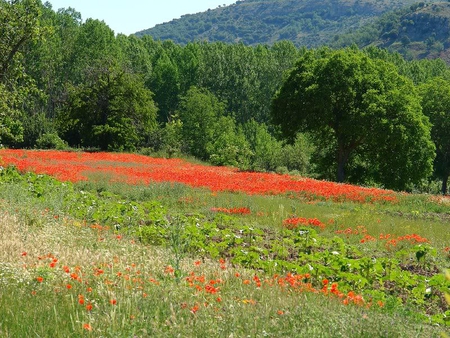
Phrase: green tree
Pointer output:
(265, 148)
(48, 62)
(435, 96)
(199, 112)
(111, 109)
(94, 42)
(135, 55)
(19, 24)
(228, 145)
(172, 136)
(270, 154)
(364, 109)
(11, 130)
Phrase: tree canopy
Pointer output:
(19, 23)
(436, 105)
(111, 110)
(364, 109)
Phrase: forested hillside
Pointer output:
(420, 31)
(304, 22)
(66, 82)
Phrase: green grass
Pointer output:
(413, 214)
(35, 219)
(48, 309)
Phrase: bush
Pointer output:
(229, 145)
(51, 141)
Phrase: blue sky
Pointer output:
(130, 16)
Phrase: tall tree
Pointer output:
(19, 23)
(48, 61)
(199, 112)
(94, 41)
(436, 105)
(164, 82)
(364, 108)
(135, 55)
(11, 130)
(111, 109)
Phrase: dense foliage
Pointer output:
(74, 83)
(436, 105)
(368, 114)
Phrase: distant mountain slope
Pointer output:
(305, 22)
(422, 31)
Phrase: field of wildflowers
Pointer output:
(230, 254)
(138, 169)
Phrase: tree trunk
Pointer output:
(342, 158)
(341, 171)
(444, 184)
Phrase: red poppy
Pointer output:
(87, 327)
(194, 309)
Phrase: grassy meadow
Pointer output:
(99, 258)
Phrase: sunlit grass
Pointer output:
(64, 278)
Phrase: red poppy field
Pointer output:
(246, 254)
(138, 169)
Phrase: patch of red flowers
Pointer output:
(139, 169)
(294, 222)
(240, 211)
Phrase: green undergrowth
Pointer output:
(391, 255)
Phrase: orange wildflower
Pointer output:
(194, 309)
(40, 279)
(169, 270)
(87, 327)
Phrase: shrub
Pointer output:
(51, 141)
